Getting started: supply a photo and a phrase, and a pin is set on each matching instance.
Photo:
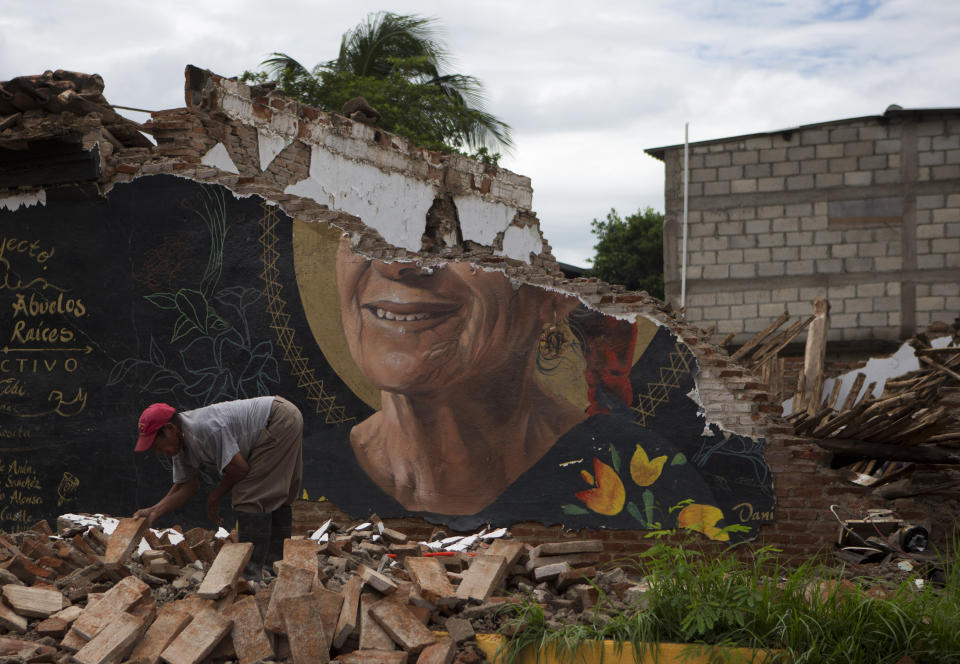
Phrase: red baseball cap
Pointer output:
(152, 419)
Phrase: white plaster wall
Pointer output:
(270, 145)
(481, 221)
(218, 157)
(14, 203)
(394, 204)
(519, 242)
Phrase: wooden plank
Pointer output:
(124, 539)
(760, 336)
(226, 567)
(814, 354)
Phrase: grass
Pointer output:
(807, 614)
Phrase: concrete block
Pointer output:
(814, 251)
(799, 267)
(857, 264)
(934, 158)
(741, 242)
(872, 249)
(788, 253)
(771, 240)
(719, 159)
(716, 272)
(945, 142)
(931, 262)
(829, 265)
(758, 143)
(758, 170)
(771, 269)
(744, 311)
(745, 271)
(730, 256)
(843, 164)
(773, 154)
(799, 182)
(730, 172)
(757, 226)
(824, 180)
(946, 215)
(159, 635)
(802, 238)
(828, 238)
(842, 250)
(226, 568)
(742, 157)
(198, 639)
(952, 230)
(113, 643)
(743, 213)
(888, 264)
(830, 150)
(716, 188)
(703, 174)
(801, 153)
(403, 626)
(441, 652)
(785, 224)
(858, 178)
(304, 629)
(841, 134)
(785, 168)
(886, 146)
(946, 172)
(769, 311)
(771, 184)
(858, 148)
(730, 228)
(815, 166)
(946, 246)
(878, 319)
(872, 163)
(745, 186)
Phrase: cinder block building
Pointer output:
(864, 211)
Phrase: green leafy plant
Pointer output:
(805, 615)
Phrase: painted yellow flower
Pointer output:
(703, 519)
(644, 470)
(608, 495)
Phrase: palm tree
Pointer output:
(387, 45)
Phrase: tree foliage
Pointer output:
(398, 63)
(629, 250)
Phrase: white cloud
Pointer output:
(586, 86)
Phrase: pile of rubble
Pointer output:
(357, 594)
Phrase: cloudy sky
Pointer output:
(586, 86)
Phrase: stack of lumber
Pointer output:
(362, 595)
(912, 424)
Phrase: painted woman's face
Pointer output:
(413, 331)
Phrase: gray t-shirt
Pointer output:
(213, 435)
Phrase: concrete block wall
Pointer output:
(865, 212)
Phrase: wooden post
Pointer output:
(813, 357)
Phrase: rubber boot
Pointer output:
(281, 523)
(254, 527)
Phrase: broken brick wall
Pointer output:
(257, 161)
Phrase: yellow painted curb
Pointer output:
(609, 652)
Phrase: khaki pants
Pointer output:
(276, 463)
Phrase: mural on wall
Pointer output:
(448, 392)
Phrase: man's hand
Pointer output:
(213, 510)
(147, 513)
